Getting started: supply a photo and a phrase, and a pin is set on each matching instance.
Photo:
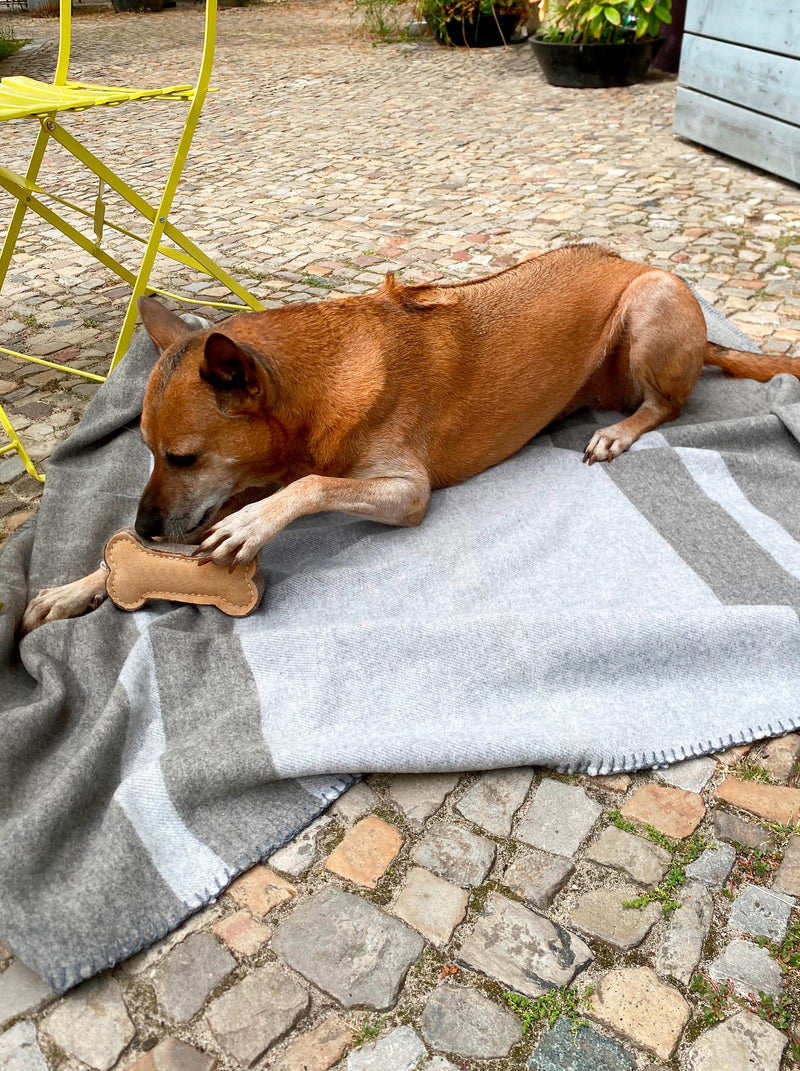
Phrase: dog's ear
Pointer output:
(241, 383)
(163, 327)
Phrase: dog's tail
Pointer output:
(745, 365)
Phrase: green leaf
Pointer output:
(594, 12)
(663, 14)
(613, 16)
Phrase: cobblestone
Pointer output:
(599, 913)
(749, 968)
(242, 933)
(771, 802)
(787, 880)
(349, 948)
(432, 163)
(19, 1049)
(744, 1041)
(639, 1007)
(537, 876)
(455, 854)
(462, 1021)
(355, 802)
(260, 890)
(713, 866)
(188, 973)
(761, 912)
(523, 949)
(644, 862)
(366, 851)
(401, 1050)
(673, 811)
(682, 944)
(692, 774)
(92, 1023)
(318, 1049)
(421, 795)
(495, 798)
(21, 991)
(559, 819)
(433, 906)
(171, 1054)
(258, 1011)
(299, 854)
(779, 755)
(731, 827)
(564, 1049)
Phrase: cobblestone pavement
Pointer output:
(387, 935)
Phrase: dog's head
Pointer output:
(208, 419)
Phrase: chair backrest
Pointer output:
(65, 38)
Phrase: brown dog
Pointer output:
(366, 404)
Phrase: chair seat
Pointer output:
(21, 98)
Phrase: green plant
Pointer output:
(368, 1031)
(438, 13)
(750, 770)
(381, 19)
(714, 998)
(549, 1007)
(9, 42)
(683, 852)
(606, 22)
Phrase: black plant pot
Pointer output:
(137, 5)
(594, 66)
(483, 32)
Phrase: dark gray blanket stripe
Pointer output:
(217, 763)
(706, 537)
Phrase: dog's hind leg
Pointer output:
(661, 346)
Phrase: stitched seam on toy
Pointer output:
(160, 593)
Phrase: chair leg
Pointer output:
(21, 207)
(157, 231)
(15, 444)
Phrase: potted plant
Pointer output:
(474, 23)
(591, 44)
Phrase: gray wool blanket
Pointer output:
(588, 619)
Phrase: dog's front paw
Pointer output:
(58, 604)
(236, 539)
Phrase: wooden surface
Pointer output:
(770, 25)
(746, 135)
(761, 81)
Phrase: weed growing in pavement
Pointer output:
(546, 1009)
(26, 318)
(787, 952)
(714, 998)
(320, 284)
(757, 864)
(750, 770)
(368, 1031)
(683, 853)
(381, 19)
(781, 831)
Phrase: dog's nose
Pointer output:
(148, 522)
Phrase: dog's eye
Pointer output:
(180, 461)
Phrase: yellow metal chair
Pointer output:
(26, 98)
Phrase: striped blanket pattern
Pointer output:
(596, 619)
